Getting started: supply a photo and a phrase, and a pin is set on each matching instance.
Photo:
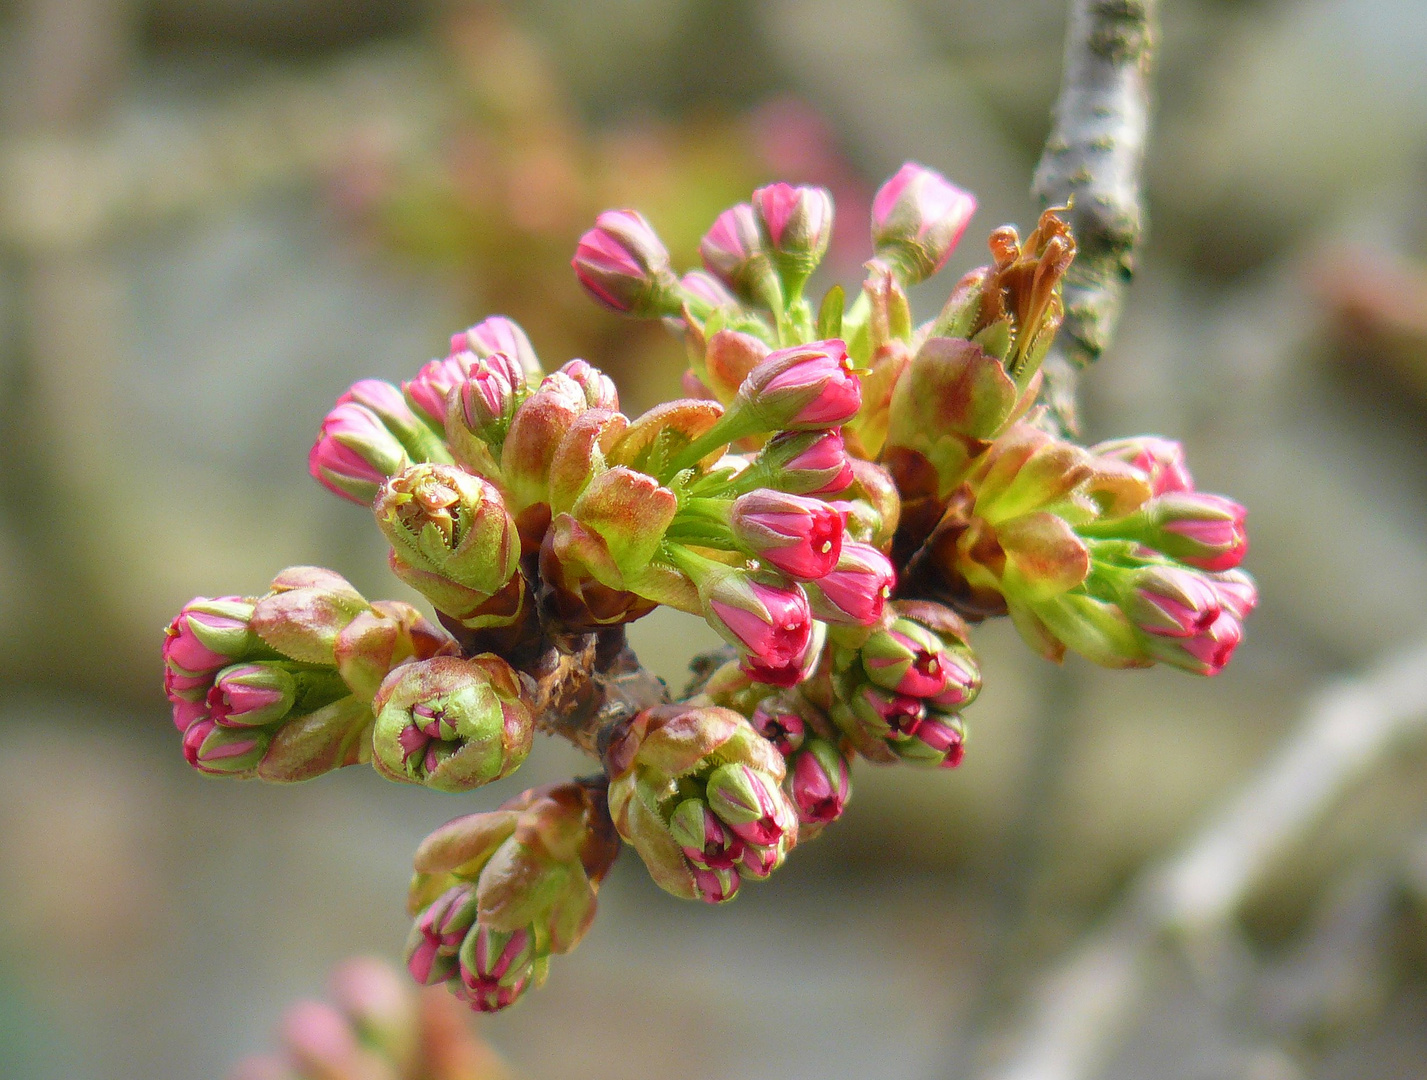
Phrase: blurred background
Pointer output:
(215, 214)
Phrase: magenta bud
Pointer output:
(624, 265)
(856, 590)
(938, 742)
(206, 635)
(498, 334)
(487, 396)
(884, 713)
(707, 842)
(496, 967)
(749, 802)
(436, 938)
(907, 658)
(1206, 653)
(819, 782)
(785, 730)
(187, 713)
(222, 751)
(798, 224)
(803, 463)
(918, 217)
(252, 694)
(802, 388)
(598, 388)
(429, 392)
(759, 861)
(734, 251)
(768, 620)
(354, 453)
(1170, 601)
(799, 536)
(1161, 461)
(716, 886)
(1206, 531)
(1236, 592)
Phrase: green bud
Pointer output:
(451, 723)
(332, 737)
(305, 611)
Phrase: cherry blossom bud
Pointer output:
(759, 861)
(539, 424)
(498, 334)
(799, 536)
(734, 251)
(783, 728)
(1169, 601)
(728, 358)
(802, 463)
(856, 590)
(599, 388)
(882, 713)
(428, 393)
(708, 843)
(798, 224)
(497, 967)
(1206, 531)
(716, 886)
(1236, 592)
(748, 802)
(206, 635)
(938, 741)
(802, 388)
(437, 936)
(479, 411)
(918, 217)
(451, 723)
(252, 695)
(221, 751)
(818, 779)
(766, 618)
(388, 405)
(908, 659)
(1161, 461)
(1206, 653)
(354, 453)
(624, 265)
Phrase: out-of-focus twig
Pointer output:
(1092, 161)
(1080, 1008)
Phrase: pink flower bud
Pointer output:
(252, 695)
(224, 751)
(749, 802)
(707, 842)
(205, 636)
(1160, 460)
(882, 712)
(856, 590)
(909, 659)
(820, 784)
(498, 334)
(802, 388)
(428, 393)
(354, 453)
(716, 886)
(488, 393)
(785, 730)
(1170, 601)
(1236, 592)
(599, 390)
(1203, 530)
(769, 622)
(624, 265)
(801, 537)
(733, 251)
(798, 224)
(437, 936)
(496, 967)
(1206, 653)
(803, 463)
(188, 713)
(939, 741)
(918, 218)
(760, 861)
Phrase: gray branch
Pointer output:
(1092, 161)
(1081, 1008)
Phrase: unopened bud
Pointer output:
(734, 251)
(918, 217)
(798, 224)
(818, 781)
(624, 265)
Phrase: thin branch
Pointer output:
(1092, 161)
(1082, 1006)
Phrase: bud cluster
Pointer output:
(495, 895)
(841, 490)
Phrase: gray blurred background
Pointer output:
(215, 214)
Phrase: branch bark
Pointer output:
(1092, 161)
(1081, 1007)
